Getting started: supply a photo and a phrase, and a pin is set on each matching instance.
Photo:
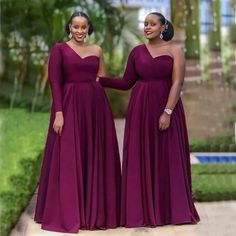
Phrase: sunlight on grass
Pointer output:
(22, 135)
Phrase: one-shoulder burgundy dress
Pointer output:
(79, 185)
(156, 178)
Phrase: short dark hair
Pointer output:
(79, 13)
(168, 33)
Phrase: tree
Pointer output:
(192, 42)
(33, 27)
(215, 35)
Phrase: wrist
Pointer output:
(59, 113)
(168, 111)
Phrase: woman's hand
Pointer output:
(164, 121)
(97, 79)
(58, 122)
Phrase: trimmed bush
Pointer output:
(21, 142)
(213, 182)
(221, 143)
(17, 197)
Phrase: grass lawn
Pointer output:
(22, 135)
(214, 182)
(22, 138)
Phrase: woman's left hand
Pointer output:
(97, 79)
(164, 121)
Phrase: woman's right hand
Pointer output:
(58, 122)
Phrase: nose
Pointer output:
(79, 30)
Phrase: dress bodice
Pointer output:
(151, 68)
(141, 66)
(66, 66)
(76, 68)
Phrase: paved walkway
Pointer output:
(217, 219)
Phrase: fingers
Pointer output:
(164, 122)
(57, 129)
(58, 123)
(163, 126)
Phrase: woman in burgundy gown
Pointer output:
(80, 178)
(156, 178)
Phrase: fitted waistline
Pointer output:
(83, 81)
(154, 79)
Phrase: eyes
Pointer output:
(83, 27)
(146, 23)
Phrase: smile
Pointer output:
(80, 35)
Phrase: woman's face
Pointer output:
(79, 28)
(152, 26)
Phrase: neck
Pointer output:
(77, 43)
(155, 41)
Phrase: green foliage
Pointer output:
(192, 42)
(25, 49)
(214, 182)
(22, 137)
(230, 121)
(227, 55)
(215, 35)
(178, 11)
(221, 143)
(117, 99)
(205, 60)
(233, 27)
(21, 187)
(233, 33)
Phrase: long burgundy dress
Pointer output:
(156, 178)
(80, 178)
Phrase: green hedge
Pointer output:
(22, 136)
(214, 182)
(221, 143)
(21, 188)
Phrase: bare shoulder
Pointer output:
(176, 50)
(96, 49)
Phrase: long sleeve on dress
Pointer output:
(55, 76)
(127, 81)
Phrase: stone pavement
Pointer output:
(217, 219)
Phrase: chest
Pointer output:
(72, 62)
(147, 66)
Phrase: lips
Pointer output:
(148, 32)
(79, 35)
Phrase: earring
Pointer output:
(70, 35)
(161, 35)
